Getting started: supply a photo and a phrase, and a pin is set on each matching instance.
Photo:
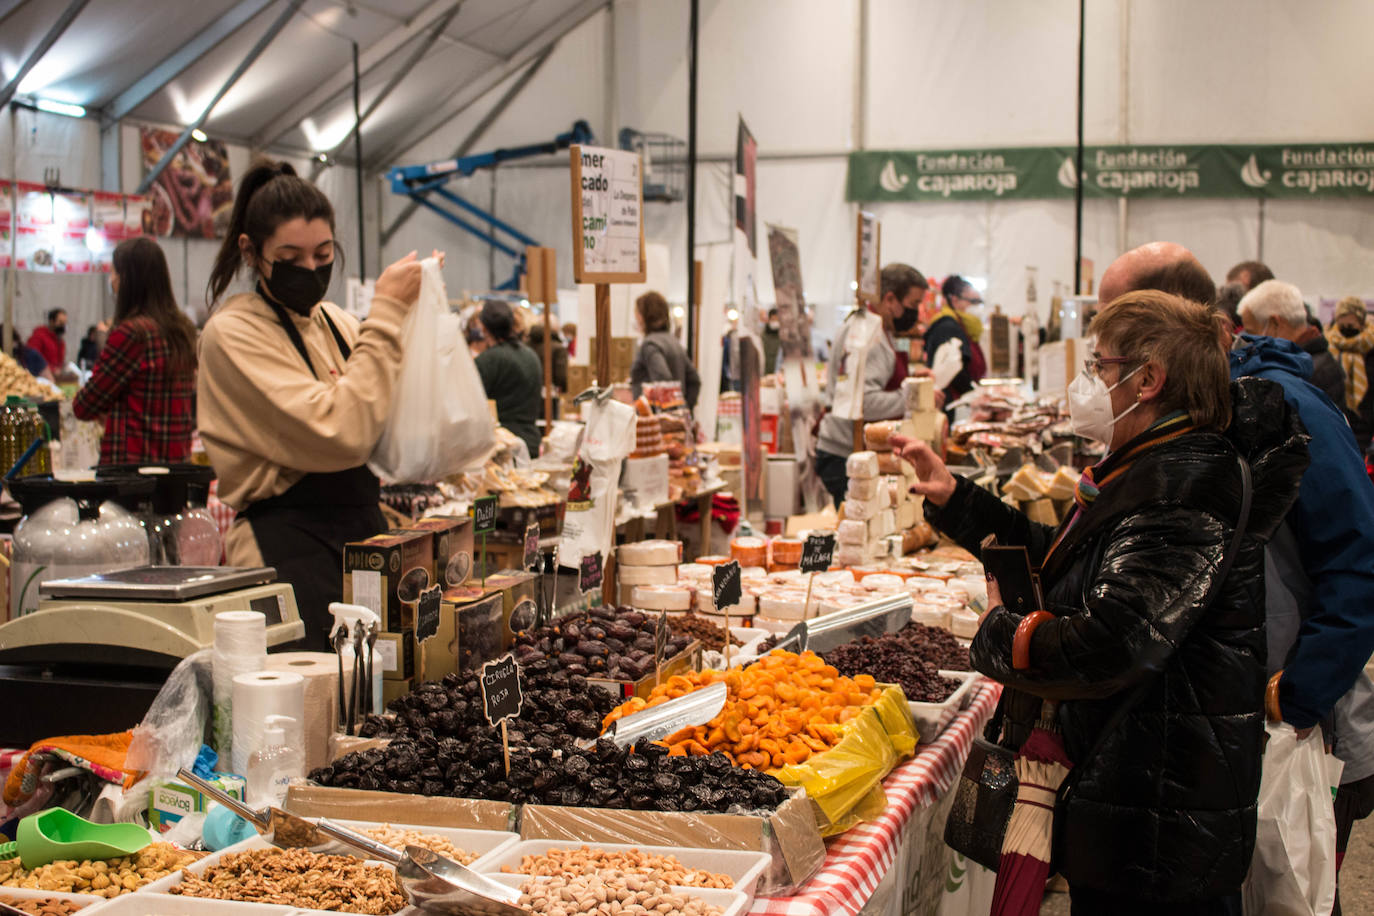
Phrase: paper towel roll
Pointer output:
(321, 673)
(258, 695)
(240, 646)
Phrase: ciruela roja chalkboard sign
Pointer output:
(589, 574)
(502, 697)
(817, 552)
(427, 613)
(484, 514)
(726, 587)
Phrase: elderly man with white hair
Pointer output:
(1275, 309)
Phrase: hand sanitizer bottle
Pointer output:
(272, 767)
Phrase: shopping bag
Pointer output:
(1293, 872)
(947, 362)
(439, 423)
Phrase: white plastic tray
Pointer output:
(731, 903)
(144, 904)
(742, 867)
(24, 893)
(932, 718)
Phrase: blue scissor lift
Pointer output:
(418, 182)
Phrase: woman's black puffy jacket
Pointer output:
(1166, 810)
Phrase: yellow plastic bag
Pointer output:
(845, 782)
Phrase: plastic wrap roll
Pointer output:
(258, 695)
(650, 553)
(240, 646)
(750, 551)
(787, 551)
(320, 671)
(662, 598)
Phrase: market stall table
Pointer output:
(880, 852)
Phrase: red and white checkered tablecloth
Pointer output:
(857, 859)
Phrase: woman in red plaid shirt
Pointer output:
(144, 382)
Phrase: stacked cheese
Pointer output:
(882, 518)
(647, 573)
(1043, 496)
(923, 421)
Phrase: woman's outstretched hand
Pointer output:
(934, 481)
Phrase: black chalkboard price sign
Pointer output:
(726, 586)
(502, 697)
(427, 614)
(817, 552)
(484, 514)
(589, 573)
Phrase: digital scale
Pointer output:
(105, 643)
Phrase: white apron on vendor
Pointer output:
(290, 406)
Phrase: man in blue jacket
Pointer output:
(1320, 582)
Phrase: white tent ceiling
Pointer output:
(297, 96)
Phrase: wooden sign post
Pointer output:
(867, 283)
(608, 231)
(541, 286)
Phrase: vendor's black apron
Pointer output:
(302, 532)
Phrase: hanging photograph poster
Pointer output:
(794, 328)
(35, 239)
(194, 194)
(71, 220)
(107, 219)
(746, 164)
(6, 224)
(608, 215)
(138, 216)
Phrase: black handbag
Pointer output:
(986, 791)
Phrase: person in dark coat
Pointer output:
(948, 325)
(1162, 819)
(559, 353)
(1275, 309)
(511, 375)
(660, 357)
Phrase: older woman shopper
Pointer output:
(1351, 337)
(1162, 817)
(660, 357)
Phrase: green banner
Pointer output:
(1340, 170)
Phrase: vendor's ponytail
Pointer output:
(269, 194)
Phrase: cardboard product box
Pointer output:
(476, 617)
(511, 520)
(169, 801)
(453, 543)
(398, 655)
(386, 574)
(399, 808)
(392, 690)
(519, 590)
(789, 834)
(579, 378)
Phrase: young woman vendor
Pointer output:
(292, 392)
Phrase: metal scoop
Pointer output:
(433, 883)
(283, 830)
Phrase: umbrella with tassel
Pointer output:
(1041, 766)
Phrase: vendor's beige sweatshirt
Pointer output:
(266, 421)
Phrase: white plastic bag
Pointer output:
(1293, 872)
(589, 521)
(439, 424)
(947, 362)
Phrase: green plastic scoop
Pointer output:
(56, 834)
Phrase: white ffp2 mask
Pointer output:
(1090, 406)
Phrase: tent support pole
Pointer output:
(358, 164)
(1078, 165)
(70, 13)
(693, 295)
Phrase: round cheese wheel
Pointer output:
(650, 553)
(646, 575)
(750, 551)
(885, 584)
(783, 605)
(787, 551)
(693, 572)
(747, 607)
(778, 627)
(712, 560)
(662, 598)
(930, 615)
(834, 577)
(963, 623)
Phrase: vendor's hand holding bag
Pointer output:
(986, 791)
(439, 424)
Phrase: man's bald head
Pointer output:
(1165, 266)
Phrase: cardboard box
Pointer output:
(453, 540)
(789, 834)
(472, 627)
(579, 379)
(398, 655)
(170, 800)
(386, 574)
(520, 596)
(392, 690)
(511, 520)
(399, 808)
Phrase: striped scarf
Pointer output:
(1096, 478)
(1351, 352)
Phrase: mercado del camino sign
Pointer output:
(1339, 170)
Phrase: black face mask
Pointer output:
(1348, 331)
(298, 288)
(906, 321)
(60, 330)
